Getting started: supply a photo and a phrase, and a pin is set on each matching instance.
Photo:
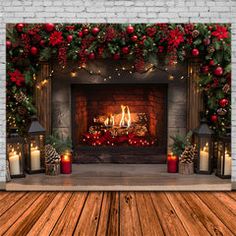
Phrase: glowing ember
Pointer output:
(126, 117)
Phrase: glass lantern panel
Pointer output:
(220, 164)
(204, 154)
(227, 159)
(14, 151)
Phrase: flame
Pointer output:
(109, 122)
(126, 117)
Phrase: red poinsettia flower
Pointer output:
(221, 32)
(175, 37)
(55, 38)
(17, 77)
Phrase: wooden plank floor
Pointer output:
(118, 213)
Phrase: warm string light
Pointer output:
(40, 85)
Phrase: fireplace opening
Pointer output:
(119, 123)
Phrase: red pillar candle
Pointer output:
(66, 163)
(172, 163)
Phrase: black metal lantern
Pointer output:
(224, 159)
(15, 154)
(35, 161)
(202, 137)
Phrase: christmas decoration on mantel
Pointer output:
(28, 44)
(186, 161)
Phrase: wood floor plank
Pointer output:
(68, 219)
(226, 200)
(149, 221)
(104, 214)
(232, 195)
(170, 222)
(113, 225)
(219, 209)
(3, 194)
(26, 221)
(45, 223)
(213, 224)
(12, 214)
(87, 224)
(187, 216)
(129, 218)
(10, 200)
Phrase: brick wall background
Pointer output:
(178, 11)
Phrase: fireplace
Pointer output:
(121, 118)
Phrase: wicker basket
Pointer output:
(186, 168)
(52, 169)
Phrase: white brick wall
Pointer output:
(179, 11)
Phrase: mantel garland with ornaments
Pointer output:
(28, 44)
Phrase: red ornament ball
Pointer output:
(85, 31)
(129, 29)
(134, 38)
(91, 56)
(8, 44)
(206, 41)
(69, 38)
(195, 52)
(49, 27)
(42, 42)
(211, 62)
(19, 27)
(214, 118)
(218, 71)
(125, 50)
(34, 51)
(95, 30)
(223, 102)
(116, 56)
(205, 69)
(80, 34)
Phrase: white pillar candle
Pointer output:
(228, 161)
(35, 158)
(14, 161)
(204, 159)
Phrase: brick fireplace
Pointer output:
(76, 102)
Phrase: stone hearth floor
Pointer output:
(119, 177)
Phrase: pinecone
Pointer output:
(20, 97)
(195, 33)
(51, 155)
(210, 49)
(188, 155)
(226, 88)
(221, 111)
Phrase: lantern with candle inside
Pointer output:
(224, 159)
(172, 163)
(35, 159)
(15, 154)
(202, 139)
(66, 162)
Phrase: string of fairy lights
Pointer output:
(117, 71)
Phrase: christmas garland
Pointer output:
(28, 44)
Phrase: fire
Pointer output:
(126, 117)
(109, 122)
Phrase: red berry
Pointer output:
(19, 27)
(195, 52)
(69, 38)
(125, 50)
(134, 38)
(95, 30)
(8, 44)
(34, 51)
(91, 56)
(144, 37)
(42, 42)
(80, 34)
(214, 118)
(205, 69)
(85, 31)
(116, 56)
(218, 71)
(49, 27)
(129, 29)
(211, 62)
(223, 102)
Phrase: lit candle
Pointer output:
(14, 161)
(172, 163)
(66, 163)
(204, 158)
(34, 158)
(228, 162)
